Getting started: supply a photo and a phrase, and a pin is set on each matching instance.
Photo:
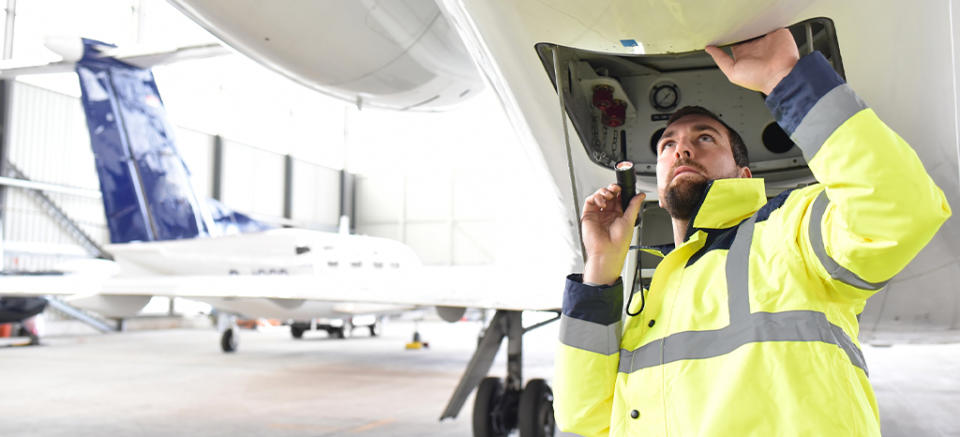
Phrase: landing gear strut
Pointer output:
(504, 405)
(229, 338)
(344, 331)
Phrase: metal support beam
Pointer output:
(8, 28)
(6, 88)
(287, 187)
(514, 380)
(6, 92)
(217, 189)
(348, 198)
(504, 323)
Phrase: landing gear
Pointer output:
(504, 405)
(536, 410)
(296, 331)
(228, 341)
(344, 331)
(376, 328)
(492, 415)
(229, 338)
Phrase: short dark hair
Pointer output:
(736, 142)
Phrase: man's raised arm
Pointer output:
(879, 207)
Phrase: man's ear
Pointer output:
(745, 172)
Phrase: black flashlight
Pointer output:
(627, 180)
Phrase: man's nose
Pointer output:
(683, 150)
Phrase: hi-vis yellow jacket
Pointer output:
(750, 326)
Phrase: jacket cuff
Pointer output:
(811, 102)
(597, 304)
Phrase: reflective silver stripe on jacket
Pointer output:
(590, 336)
(745, 327)
(832, 110)
(835, 270)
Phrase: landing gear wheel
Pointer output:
(228, 341)
(376, 328)
(296, 331)
(489, 397)
(344, 331)
(536, 410)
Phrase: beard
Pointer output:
(681, 198)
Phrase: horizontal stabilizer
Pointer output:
(70, 51)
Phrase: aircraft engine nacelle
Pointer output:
(111, 306)
(451, 314)
(396, 55)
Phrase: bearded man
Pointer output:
(750, 322)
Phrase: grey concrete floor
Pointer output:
(177, 382)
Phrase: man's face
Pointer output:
(693, 150)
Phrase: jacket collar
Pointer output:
(727, 202)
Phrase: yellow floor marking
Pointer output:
(372, 425)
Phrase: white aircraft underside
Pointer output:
(903, 68)
(396, 54)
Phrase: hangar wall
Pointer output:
(48, 142)
(443, 212)
(445, 216)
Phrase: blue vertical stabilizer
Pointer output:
(147, 194)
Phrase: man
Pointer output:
(750, 323)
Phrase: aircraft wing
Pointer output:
(472, 287)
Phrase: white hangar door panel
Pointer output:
(445, 217)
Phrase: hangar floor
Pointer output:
(177, 382)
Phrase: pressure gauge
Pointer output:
(665, 96)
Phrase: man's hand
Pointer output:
(607, 232)
(759, 64)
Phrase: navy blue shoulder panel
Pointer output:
(772, 205)
(723, 238)
(716, 239)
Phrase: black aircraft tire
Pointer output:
(228, 341)
(535, 414)
(296, 331)
(489, 396)
(346, 330)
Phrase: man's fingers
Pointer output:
(633, 208)
(596, 201)
(590, 204)
(722, 59)
(601, 198)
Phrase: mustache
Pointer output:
(688, 163)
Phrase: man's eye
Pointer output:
(667, 144)
(706, 137)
